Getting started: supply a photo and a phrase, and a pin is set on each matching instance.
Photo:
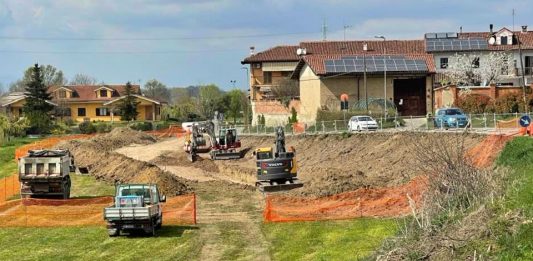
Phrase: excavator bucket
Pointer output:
(272, 186)
(224, 155)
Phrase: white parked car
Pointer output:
(359, 123)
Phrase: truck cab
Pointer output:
(136, 207)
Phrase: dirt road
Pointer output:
(229, 209)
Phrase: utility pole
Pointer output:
(523, 71)
(365, 48)
(346, 27)
(385, 112)
(324, 31)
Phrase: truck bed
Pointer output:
(129, 213)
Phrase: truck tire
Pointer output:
(113, 232)
(159, 223)
(150, 231)
(66, 188)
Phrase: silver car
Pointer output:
(359, 123)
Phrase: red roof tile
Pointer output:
(84, 93)
(282, 53)
(356, 47)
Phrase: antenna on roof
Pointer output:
(461, 29)
(513, 19)
(324, 30)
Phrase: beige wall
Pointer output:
(310, 95)
(332, 88)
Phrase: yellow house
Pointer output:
(89, 103)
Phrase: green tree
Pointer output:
(294, 116)
(210, 100)
(128, 106)
(50, 76)
(37, 106)
(154, 88)
(235, 104)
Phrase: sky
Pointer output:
(192, 42)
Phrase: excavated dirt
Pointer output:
(332, 164)
(98, 156)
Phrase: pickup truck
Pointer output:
(136, 207)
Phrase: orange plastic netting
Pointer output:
(374, 202)
(83, 212)
(9, 187)
(510, 124)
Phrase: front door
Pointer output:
(149, 110)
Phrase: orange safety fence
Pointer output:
(83, 212)
(47, 143)
(363, 202)
(510, 124)
(9, 187)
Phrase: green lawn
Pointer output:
(327, 240)
(517, 243)
(8, 165)
(92, 243)
(88, 186)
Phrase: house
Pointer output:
(325, 70)
(519, 44)
(88, 103)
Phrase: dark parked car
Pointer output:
(450, 118)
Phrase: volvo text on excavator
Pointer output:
(276, 171)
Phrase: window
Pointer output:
(503, 40)
(103, 112)
(475, 62)
(267, 77)
(444, 62)
(103, 93)
(62, 94)
(52, 168)
(81, 112)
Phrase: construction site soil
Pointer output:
(98, 157)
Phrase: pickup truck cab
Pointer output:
(136, 207)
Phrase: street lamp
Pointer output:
(384, 75)
(365, 48)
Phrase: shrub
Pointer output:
(87, 127)
(475, 103)
(141, 126)
(61, 128)
(103, 127)
(509, 103)
(161, 125)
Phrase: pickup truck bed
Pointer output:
(129, 213)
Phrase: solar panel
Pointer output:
(436, 45)
(374, 64)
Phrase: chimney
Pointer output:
(524, 28)
(491, 26)
(252, 50)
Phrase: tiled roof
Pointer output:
(526, 40)
(282, 53)
(11, 98)
(85, 93)
(356, 47)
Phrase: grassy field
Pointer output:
(327, 240)
(8, 165)
(516, 243)
(87, 186)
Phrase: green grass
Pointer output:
(88, 186)
(8, 165)
(92, 243)
(328, 240)
(517, 243)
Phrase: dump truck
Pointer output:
(276, 171)
(137, 207)
(46, 173)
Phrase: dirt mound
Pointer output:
(179, 158)
(97, 156)
(483, 154)
(330, 164)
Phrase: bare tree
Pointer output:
(156, 89)
(83, 79)
(286, 90)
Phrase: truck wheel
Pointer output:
(113, 232)
(150, 231)
(159, 223)
(66, 188)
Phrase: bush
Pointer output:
(141, 126)
(61, 128)
(103, 127)
(87, 127)
(161, 125)
(475, 103)
(509, 103)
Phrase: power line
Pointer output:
(33, 38)
(121, 52)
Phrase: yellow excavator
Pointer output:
(276, 171)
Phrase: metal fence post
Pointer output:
(495, 125)
(323, 127)
(381, 123)
(335, 125)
